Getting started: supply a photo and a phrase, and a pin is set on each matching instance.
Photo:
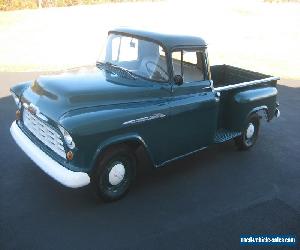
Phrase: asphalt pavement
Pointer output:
(205, 201)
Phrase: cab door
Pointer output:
(193, 105)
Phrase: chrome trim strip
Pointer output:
(46, 163)
(244, 84)
(41, 116)
(146, 118)
(179, 157)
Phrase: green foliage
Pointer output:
(31, 4)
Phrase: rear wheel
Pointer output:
(115, 173)
(250, 133)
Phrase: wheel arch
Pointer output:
(242, 141)
(134, 141)
(262, 111)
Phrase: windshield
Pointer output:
(140, 57)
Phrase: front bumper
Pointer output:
(277, 113)
(46, 163)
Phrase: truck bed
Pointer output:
(232, 83)
(225, 75)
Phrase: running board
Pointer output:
(223, 135)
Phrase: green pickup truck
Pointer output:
(151, 90)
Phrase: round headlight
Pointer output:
(68, 139)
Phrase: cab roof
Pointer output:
(169, 41)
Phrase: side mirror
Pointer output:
(178, 80)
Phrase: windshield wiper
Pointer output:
(115, 69)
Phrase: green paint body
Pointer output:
(99, 109)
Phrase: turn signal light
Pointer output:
(70, 155)
(18, 115)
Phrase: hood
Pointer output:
(55, 95)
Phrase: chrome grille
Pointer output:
(44, 133)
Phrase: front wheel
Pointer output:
(250, 133)
(114, 173)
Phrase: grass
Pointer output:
(250, 34)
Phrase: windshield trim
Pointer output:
(113, 68)
(154, 41)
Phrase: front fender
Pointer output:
(125, 138)
(18, 89)
(94, 129)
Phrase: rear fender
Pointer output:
(262, 113)
(261, 100)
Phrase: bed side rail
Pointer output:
(244, 84)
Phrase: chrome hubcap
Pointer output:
(250, 131)
(116, 174)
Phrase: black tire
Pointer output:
(104, 181)
(244, 141)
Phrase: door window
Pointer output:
(188, 64)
